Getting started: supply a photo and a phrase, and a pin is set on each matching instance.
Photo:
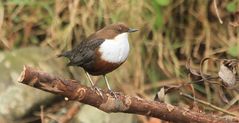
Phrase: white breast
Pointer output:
(115, 50)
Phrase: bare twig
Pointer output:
(218, 16)
(70, 113)
(232, 102)
(42, 114)
(124, 103)
(209, 104)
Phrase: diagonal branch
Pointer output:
(127, 104)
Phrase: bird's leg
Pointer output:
(93, 85)
(108, 86)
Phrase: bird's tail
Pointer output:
(65, 54)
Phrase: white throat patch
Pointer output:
(115, 50)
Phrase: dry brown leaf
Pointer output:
(235, 21)
(160, 96)
(227, 75)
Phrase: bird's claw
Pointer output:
(98, 90)
(114, 94)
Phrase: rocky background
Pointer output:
(172, 32)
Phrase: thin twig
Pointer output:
(72, 111)
(217, 13)
(42, 114)
(232, 102)
(210, 105)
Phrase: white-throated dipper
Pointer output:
(102, 52)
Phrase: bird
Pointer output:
(102, 52)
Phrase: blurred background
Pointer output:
(172, 32)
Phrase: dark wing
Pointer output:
(84, 53)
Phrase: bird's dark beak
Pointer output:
(132, 30)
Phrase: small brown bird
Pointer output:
(102, 52)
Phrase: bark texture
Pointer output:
(74, 90)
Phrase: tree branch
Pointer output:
(127, 104)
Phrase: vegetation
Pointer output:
(172, 32)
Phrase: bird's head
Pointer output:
(120, 28)
(111, 31)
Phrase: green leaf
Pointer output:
(177, 45)
(163, 2)
(159, 21)
(21, 2)
(233, 51)
(231, 6)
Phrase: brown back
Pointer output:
(109, 32)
